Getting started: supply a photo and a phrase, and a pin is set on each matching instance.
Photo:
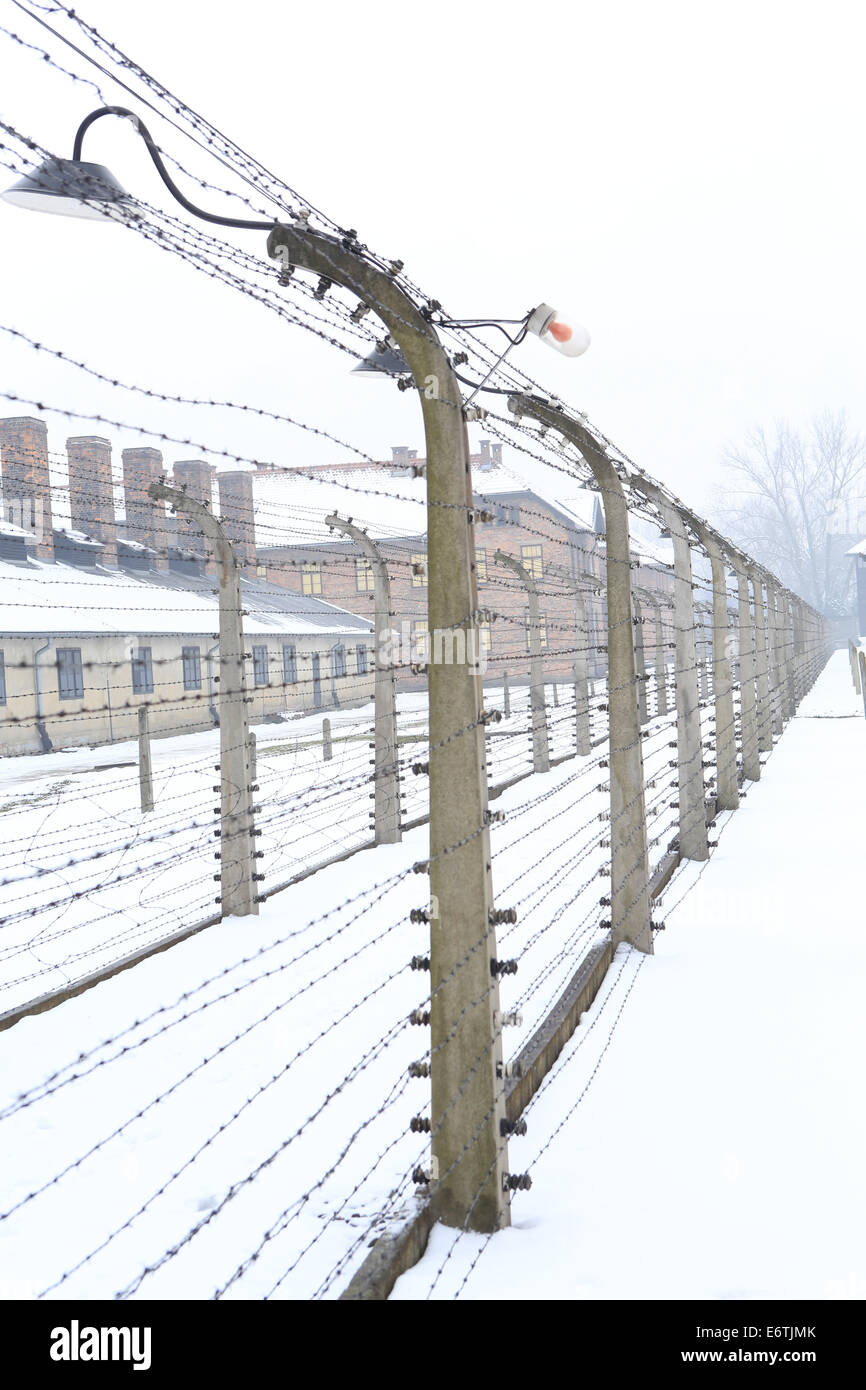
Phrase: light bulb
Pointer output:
(559, 330)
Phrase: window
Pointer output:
(530, 557)
(260, 666)
(485, 642)
(419, 571)
(481, 566)
(191, 668)
(542, 629)
(290, 664)
(2, 679)
(361, 660)
(311, 577)
(365, 580)
(142, 671)
(422, 640)
(262, 571)
(70, 680)
(339, 660)
(505, 516)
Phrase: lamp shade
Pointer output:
(559, 330)
(70, 187)
(386, 359)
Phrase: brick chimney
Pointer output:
(197, 477)
(236, 510)
(146, 520)
(25, 482)
(91, 491)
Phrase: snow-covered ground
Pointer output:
(247, 1093)
(703, 1135)
(232, 1116)
(86, 879)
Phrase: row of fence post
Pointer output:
(780, 642)
(469, 1178)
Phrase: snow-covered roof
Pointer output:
(290, 508)
(858, 549)
(57, 598)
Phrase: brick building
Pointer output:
(558, 540)
(25, 481)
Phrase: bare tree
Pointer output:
(785, 500)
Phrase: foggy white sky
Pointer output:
(687, 178)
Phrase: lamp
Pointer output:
(70, 187)
(386, 358)
(558, 330)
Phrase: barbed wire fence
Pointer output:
(263, 1105)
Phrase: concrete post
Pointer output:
(386, 770)
(327, 750)
(555, 695)
(538, 707)
(790, 654)
(703, 651)
(801, 648)
(776, 661)
(727, 785)
(238, 897)
(252, 757)
(855, 666)
(582, 730)
(630, 903)
(659, 657)
(762, 675)
(145, 773)
(693, 816)
(467, 1073)
(748, 702)
(506, 697)
(640, 662)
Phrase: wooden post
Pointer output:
(145, 773)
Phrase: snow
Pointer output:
(239, 1123)
(291, 507)
(58, 598)
(719, 1150)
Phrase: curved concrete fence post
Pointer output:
(780, 652)
(630, 901)
(582, 734)
(693, 814)
(727, 784)
(386, 768)
(537, 702)
(640, 660)
(748, 694)
(703, 652)
(762, 672)
(467, 1080)
(790, 654)
(238, 897)
(660, 658)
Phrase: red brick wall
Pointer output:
(501, 591)
(91, 491)
(197, 478)
(25, 478)
(236, 510)
(146, 519)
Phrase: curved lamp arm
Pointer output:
(154, 153)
